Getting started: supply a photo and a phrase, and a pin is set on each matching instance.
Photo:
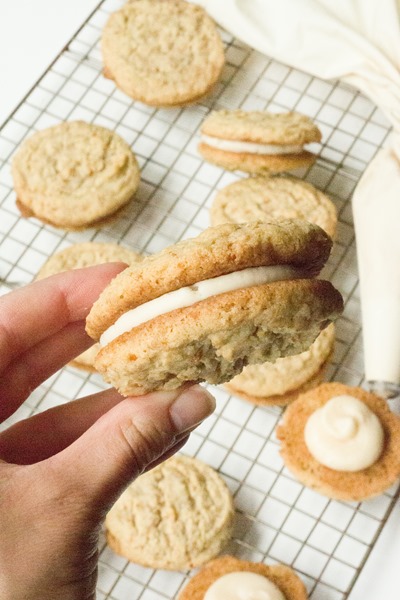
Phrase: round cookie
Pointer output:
(281, 382)
(258, 142)
(341, 485)
(265, 198)
(262, 314)
(74, 175)
(162, 53)
(177, 516)
(80, 256)
(283, 577)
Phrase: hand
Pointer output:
(61, 470)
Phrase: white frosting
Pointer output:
(187, 296)
(250, 147)
(344, 434)
(243, 585)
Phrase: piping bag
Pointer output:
(358, 42)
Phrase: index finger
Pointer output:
(33, 313)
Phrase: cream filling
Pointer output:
(344, 434)
(243, 585)
(187, 296)
(250, 147)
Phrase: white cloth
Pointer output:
(356, 41)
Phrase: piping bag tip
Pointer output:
(384, 389)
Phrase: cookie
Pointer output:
(162, 53)
(258, 142)
(275, 197)
(74, 175)
(177, 516)
(83, 255)
(284, 578)
(204, 308)
(281, 382)
(369, 460)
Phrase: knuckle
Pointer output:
(144, 442)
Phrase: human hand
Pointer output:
(61, 470)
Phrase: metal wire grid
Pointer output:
(278, 520)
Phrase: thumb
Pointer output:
(125, 441)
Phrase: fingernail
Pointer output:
(191, 407)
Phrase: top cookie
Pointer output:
(74, 174)
(162, 53)
(259, 198)
(261, 127)
(217, 251)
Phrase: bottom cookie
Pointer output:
(342, 442)
(203, 586)
(257, 164)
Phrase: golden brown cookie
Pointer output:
(162, 53)
(283, 577)
(342, 485)
(279, 197)
(74, 175)
(281, 382)
(83, 255)
(258, 142)
(204, 308)
(177, 516)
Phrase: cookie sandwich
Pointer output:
(281, 382)
(177, 516)
(229, 577)
(273, 197)
(258, 142)
(204, 308)
(74, 175)
(79, 256)
(341, 441)
(162, 53)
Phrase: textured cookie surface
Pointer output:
(214, 339)
(83, 255)
(281, 382)
(283, 577)
(216, 251)
(74, 174)
(162, 53)
(265, 198)
(338, 484)
(177, 516)
(261, 127)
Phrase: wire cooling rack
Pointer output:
(278, 520)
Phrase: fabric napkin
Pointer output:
(358, 42)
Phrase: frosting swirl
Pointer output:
(344, 434)
(243, 585)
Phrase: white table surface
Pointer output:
(32, 32)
